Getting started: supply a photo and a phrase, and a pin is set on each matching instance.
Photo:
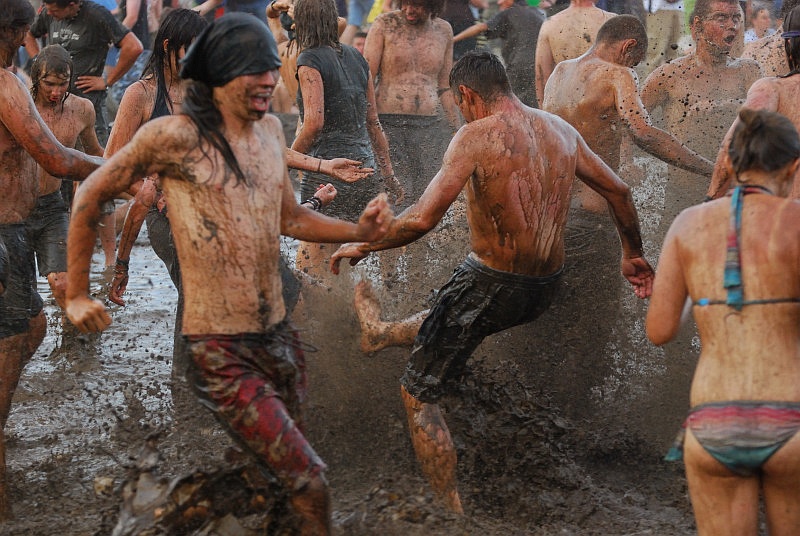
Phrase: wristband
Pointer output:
(315, 202)
(122, 262)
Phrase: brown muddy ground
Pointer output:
(536, 455)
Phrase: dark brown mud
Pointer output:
(537, 456)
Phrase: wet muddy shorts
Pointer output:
(476, 302)
(255, 384)
(47, 230)
(20, 302)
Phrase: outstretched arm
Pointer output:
(457, 167)
(343, 169)
(20, 117)
(476, 29)
(126, 167)
(599, 177)
(655, 141)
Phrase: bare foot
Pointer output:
(368, 308)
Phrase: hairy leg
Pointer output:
(15, 351)
(434, 448)
(377, 334)
(724, 504)
(781, 494)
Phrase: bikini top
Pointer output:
(732, 279)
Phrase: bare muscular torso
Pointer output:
(590, 106)
(409, 63)
(762, 342)
(572, 32)
(698, 102)
(230, 285)
(17, 168)
(67, 123)
(519, 195)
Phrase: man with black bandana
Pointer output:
(222, 165)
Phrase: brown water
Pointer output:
(85, 406)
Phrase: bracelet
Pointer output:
(122, 262)
(315, 202)
(319, 166)
(707, 198)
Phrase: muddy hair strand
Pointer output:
(199, 106)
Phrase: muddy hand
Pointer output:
(88, 314)
(118, 285)
(90, 83)
(640, 274)
(348, 170)
(326, 193)
(352, 251)
(375, 219)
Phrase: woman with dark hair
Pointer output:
(773, 93)
(736, 259)
(336, 99)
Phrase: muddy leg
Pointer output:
(434, 448)
(58, 286)
(377, 334)
(313, 504)
(15, 351)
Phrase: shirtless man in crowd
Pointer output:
(71, 118)
(698, 96)
(779, 94)
(603, 105)
(25, 141)
(410, 53)
(769, 51)
(222, 166)
(517, 166)
(566, 35)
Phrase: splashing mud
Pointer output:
(537, 456)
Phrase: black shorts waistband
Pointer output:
(510, 278)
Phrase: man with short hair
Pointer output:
(517, 166)
(24, 142)
(698, 96)
(222, 166)
(566, 35)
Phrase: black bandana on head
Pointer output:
(236, 44)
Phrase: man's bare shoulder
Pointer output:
(442, 26)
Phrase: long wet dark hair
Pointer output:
(199, 106)
(762, 140)
(179, 28)
(316, 24)
(52, 59)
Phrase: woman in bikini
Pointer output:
(737, 259)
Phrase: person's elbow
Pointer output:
(660, 327)
(131, 46)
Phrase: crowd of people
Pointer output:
(389, 140)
